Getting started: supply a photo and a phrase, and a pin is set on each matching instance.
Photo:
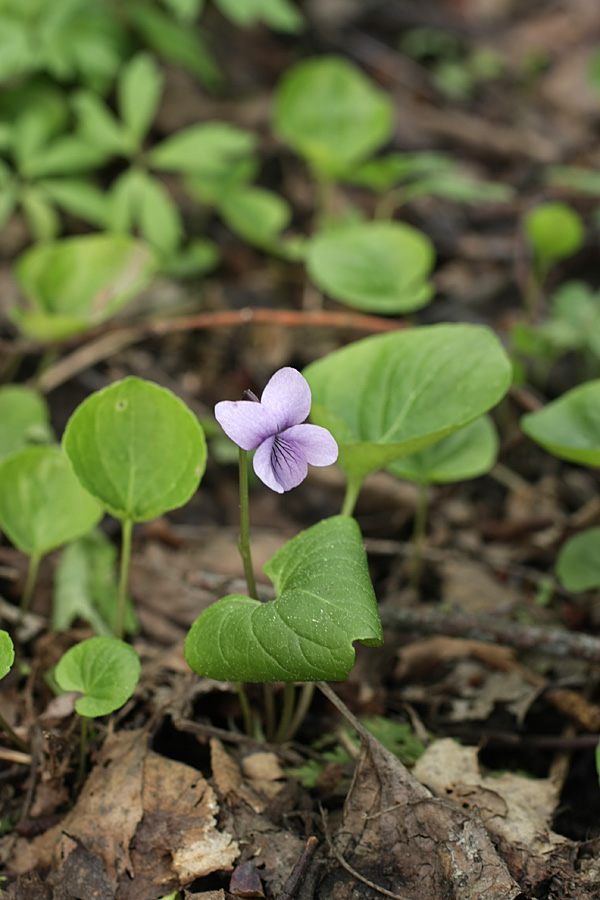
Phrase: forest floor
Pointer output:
(477, 777)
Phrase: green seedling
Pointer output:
(86, 587)
(554, 231)
(140, 451)
(105, 671)
(282, 15)
(7, 658)
(465, 454)
(578, 563)
(389, 396)
(75, 283)
(42, 506)
(380, 267)
(25, 419)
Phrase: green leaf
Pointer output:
(198, 258)
(65, 156)
(330, 113)
(466, 453)
(74, 283)
(385, 172)
(17, 49)
(7, 653)
(42, 505)
(554, 231)
(79, 198)
(376, 266)
(139, 91)
(212, 152)
(282, 15)
(42, 218)
(458, 186)
(578, 563)
(104, 670)
(25, 418)
(99, 127)
(123, 201)
(137, 448)
(391, 395)
(176, 42)
(570, 426)
(325, 601)
(576, 178)
(186, 10)
(85, 586)
(9, 194)
(159, 220)
(256, 214)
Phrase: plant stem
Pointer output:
(5, 727)
(246, 711)
(32, 572)
(418, 534)
(83, 746)
(126, 532)
(306, 694)
(289, 695)
(269, 711)
(244, 541)
(352, 491)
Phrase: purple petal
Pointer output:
(287, 397)
(280, 464)
(318, 444)
(247, 423)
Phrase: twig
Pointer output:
(297, 874)
(552, 641)
(353, 872)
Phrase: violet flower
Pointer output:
(272, 426)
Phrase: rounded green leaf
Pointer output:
(42, 504)
(325, 601)
(555, 231)
(25, 418)
(391, 395)
(376, 266)
(331, 113)
(137, 448)
(7, 653)
(466, 453)
(256, 214)
(570, 426)
(74, 283)
(210, 150)
(578, 564)
(104, 670)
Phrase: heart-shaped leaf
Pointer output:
(391, 395)
(42, 504)
(376, 266)
(331, 113)
(466, 453)
(74, 283)
(570, 426)
(25, 418)
(7, 653)
(104, 669)
(137, 448)
(325, 601)
(578, 564)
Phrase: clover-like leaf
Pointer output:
(74, 283)
(137, 448)
(391, 395)
(325, 601)
(466, 453)
(578, 563)
(25, 418)
(377, 266)
(42, 504)
(104, 670)
(331, 113)
(7, 653)
(570, 426)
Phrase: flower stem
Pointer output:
(352, 491)
(306, 694)
(289, 695)
(269, 698)
(32, 572)
(418, 535)
(83, 746)
(246, 711)
(126, 531)
(6, 728)
(244, 541)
